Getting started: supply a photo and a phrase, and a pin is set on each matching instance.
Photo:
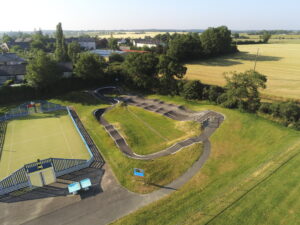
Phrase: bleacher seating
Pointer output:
(98, 159)
(3, 126)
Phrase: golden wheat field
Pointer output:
(279, 62)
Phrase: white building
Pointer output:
(86, 43)
(140, 43)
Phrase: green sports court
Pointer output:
(40, 136)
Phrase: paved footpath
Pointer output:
(113, 203)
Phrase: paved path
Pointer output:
(169, 110)
(113, 203)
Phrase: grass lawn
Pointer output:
(40, 136)
(159, 171)
(148, 132)
(279, 62)
(251, 177)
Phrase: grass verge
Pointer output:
(158, 172)
(242, 181)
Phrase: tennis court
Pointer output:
(40, 136)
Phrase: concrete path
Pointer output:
(113, 203)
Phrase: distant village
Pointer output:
(13, 65)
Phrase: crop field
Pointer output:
(147, 132)
(40, 136)
(243, 182)
(128, 34)
(279, 62)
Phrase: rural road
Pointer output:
(115, 201)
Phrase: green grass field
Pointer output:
(279, 62)
(40, 136)
(251, 177)
(159, 171)
(148, 132)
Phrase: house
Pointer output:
(12, 72)
(24, 43)
(10, 59)
(12, 67)
(122, 42)
(140, 43)
(86, 43)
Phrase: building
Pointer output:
(86, 43)
(140, 43)
(12, 67)
(10, 59)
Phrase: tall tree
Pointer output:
(242, 90)
(60, 46)
(142, 69)
(42, 71)
(90, 66)
(265, 36)
(73, 50)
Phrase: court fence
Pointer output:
(28, 108)
(19, 179)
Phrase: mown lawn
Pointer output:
(147, 132)
(251, 177)
(279, 62)
(158, 172)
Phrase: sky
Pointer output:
(27, 15)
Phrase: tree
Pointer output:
(90, 66)
(115, 57)
(265, 36)
(242, 90)
(113, 43)
(170, 70)
(73, 50)
(193, 90)
(216, 41)
(39, 41)
(142, 69)
(102, 43)
(185, 47)
(6, 38)
(60, 46)
(42, 71)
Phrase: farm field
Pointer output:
(157, 172)
(147, 132)
(280, 62)
(40, 136)
(243, 182)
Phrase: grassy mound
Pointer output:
(251, 177)
(158, 172)
(148, 132)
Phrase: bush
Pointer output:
(265, 108)
(193, 90)
(8, 83)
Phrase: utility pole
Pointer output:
(256, 59)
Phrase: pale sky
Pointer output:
(26, 15)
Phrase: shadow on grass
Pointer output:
(82, 97)
(161, 186)
(234, 59)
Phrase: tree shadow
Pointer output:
(161, 186)
(235, 59)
